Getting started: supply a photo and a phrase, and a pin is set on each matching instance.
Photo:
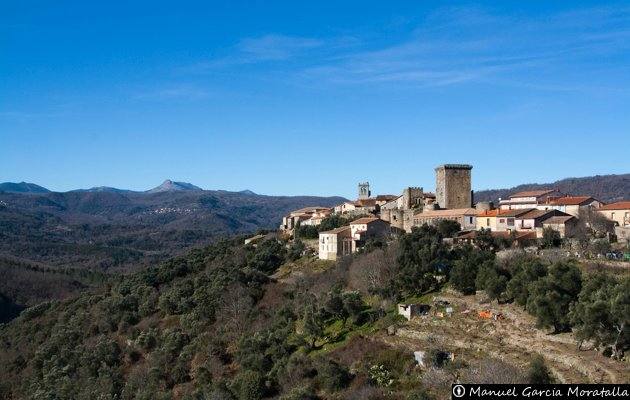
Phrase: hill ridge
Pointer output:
(608, 188)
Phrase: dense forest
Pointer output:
(607, 188)
(231, 321)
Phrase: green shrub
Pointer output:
(538, 373)
(249, 385)
(332, 376)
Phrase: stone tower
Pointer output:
(452, 186)
(364, 190)
(412, 196)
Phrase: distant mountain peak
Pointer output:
(22, 187)
(248, 192)
(172, 186)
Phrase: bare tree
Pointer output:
(233, 310)
(372, 271)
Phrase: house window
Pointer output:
(502, 221)
(470, 220)
(612, 216)
(487, 221)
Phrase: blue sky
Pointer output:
(296, 98)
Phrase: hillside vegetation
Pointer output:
(47, 239)
(221, 323)
(112, 230)
(607, 188)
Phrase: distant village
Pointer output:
(522, 218)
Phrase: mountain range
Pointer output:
(166, 186)
(106, 228)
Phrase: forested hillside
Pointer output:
(54, 245)
(234, 321)
(607, 188)
(107, 230)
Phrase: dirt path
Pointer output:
(513, 339)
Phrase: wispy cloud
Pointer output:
(274, 47)
(455, 46)
(262, 49)
(451, 46)
(172, 92)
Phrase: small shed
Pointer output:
(412, 310)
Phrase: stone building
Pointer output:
(335, 243)
(399, 212)
(453, 186)
(400, 220)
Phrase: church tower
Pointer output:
(364, 190)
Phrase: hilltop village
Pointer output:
(522, 219)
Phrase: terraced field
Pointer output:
(513, 339)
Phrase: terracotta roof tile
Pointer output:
(488, 213)
(514, 213)
(620, 205)
(571, 200)
(535, 214)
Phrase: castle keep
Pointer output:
(453, 186)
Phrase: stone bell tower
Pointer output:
(364, 190)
